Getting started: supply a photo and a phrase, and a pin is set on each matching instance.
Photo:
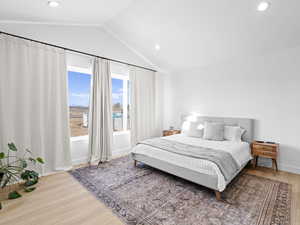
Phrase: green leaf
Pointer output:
(29, 189)
(25, 175)
(29, 174)
(14, 195)
(12, 147)
(31, 177)
(6, 181)
(40, 160)
(0, 205)
(30, 182)
(27, 150)
(2, 155)
(23, 164)
(32, 159)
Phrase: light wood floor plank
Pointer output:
(61, 200)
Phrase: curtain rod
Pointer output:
(74, 50)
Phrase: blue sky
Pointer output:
(79, 89)
(117, 91)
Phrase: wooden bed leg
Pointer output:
(218, 195)
(135, 163)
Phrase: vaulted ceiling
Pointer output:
(69, 12)
(191, 33)
(195, 33)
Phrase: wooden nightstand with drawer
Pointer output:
(171, 132)
(265, 150)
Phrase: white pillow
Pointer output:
(213, 131)
(192, 129)
(233, 133)
(185, 127)
(196, 130)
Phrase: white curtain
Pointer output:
(142, 104)
(33, 101)
(100, 116)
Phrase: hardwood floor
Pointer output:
(61, 200)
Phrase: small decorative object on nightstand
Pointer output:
(170, 132)
(266, 150)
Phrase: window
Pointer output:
(79, 82)
(120, 101)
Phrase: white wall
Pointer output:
(265, 88)
(87, 39)
(79, 147)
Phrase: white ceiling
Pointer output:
(83, 12)
(191, 33)
(196, 33)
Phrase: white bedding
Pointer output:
(240, 151)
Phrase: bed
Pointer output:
(198, 170)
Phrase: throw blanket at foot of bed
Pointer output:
(224, 160)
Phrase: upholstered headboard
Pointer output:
(245, 123)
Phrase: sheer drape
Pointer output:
(100, 116)
(142, 104)
(33, 100)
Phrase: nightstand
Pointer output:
(265, 150)
(171, 132)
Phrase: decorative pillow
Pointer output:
(233, 133)
(196, 130)
(213, 131)
(192, 129)
(185, 127)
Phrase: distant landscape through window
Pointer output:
(120, 102)
(79, 98)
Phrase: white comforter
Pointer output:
(240, 151)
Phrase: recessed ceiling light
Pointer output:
(263, 6)
(53, 4)
(157, 47)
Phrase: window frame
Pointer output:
(125, 79)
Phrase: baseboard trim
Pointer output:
(281, 166)
(289, 168)
(115, 153)
(79, 161)
(121, 152)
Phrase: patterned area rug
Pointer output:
(146, 196)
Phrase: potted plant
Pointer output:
(13, 171)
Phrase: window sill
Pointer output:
(116, 133)
(86, 137)
(80, 138)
